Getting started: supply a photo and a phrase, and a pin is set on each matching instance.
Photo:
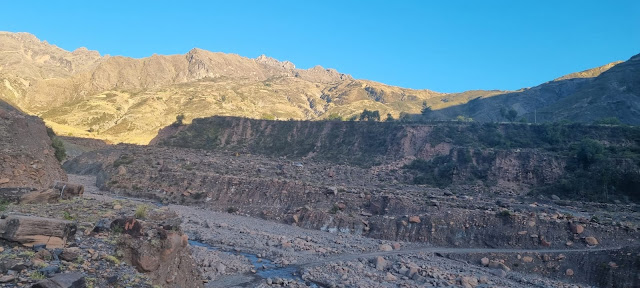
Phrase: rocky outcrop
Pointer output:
(27, 158)
(164, 254)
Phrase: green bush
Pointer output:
(59, 151)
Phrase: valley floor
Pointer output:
(239, 251)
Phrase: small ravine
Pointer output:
(265, 268)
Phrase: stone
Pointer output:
(221, 268)
(31, 230)
(68, 190)
(4, 180)
(37, 197)
(117, 206)
(7, 278)
(569, 272)
(67, 280)
(484, 261)
(103, 225)
(43, 254)
(396, 246)
(591, 240)
(390, 277)
(414, 219)
(527, 259)
(386, 247)
(577, 229)
(469, 281)
(70, 254)
(554, 197)
(380, 263)
(50, 270)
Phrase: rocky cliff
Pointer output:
(27, 158)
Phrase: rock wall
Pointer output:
(26, 156)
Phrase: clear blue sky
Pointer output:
(446, 46)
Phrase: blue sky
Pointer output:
(447, 46)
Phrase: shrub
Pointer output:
(141, 211)
(59, 151)
(179, 120)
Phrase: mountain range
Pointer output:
(122, 99)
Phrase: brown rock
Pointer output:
(484, 261)
(527, 259)
(7, 278)
(380, 263)
(68, 190)
(577, 229)
(390, 277)
(4, 180)
(37, 197)
(43, 254)
(385, 247)
(129, 226)
(569, 272)
(70, 254)
(591, 241)
(30, 230)
(414, 219)
(469, 281)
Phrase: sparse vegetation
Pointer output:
(123, 160)
(179, 120)
(59, 151)
(141, 211)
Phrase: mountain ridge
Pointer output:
(124, 99)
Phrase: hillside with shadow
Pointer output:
(613, 93)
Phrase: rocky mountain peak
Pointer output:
(275, 63)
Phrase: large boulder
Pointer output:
(30, 230)
(68, 190)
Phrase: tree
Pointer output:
(589, 152)
(370, 115)
(334, 117)
(390, 118)
(179, 120)
(426, 109)
(510, 114)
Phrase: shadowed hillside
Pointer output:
(583, 97)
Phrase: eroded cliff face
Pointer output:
(27, 158)
(337, 198)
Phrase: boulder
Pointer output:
(484, 261)
(68, 280)
(380, 263)
(7, 278)
(591, 241)
(569, 272)
(414, 219)
(68, 190)
(386, 247)
(30, 230)
(70, 254)
(38, 197)
(390, 277)
(577, 228)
